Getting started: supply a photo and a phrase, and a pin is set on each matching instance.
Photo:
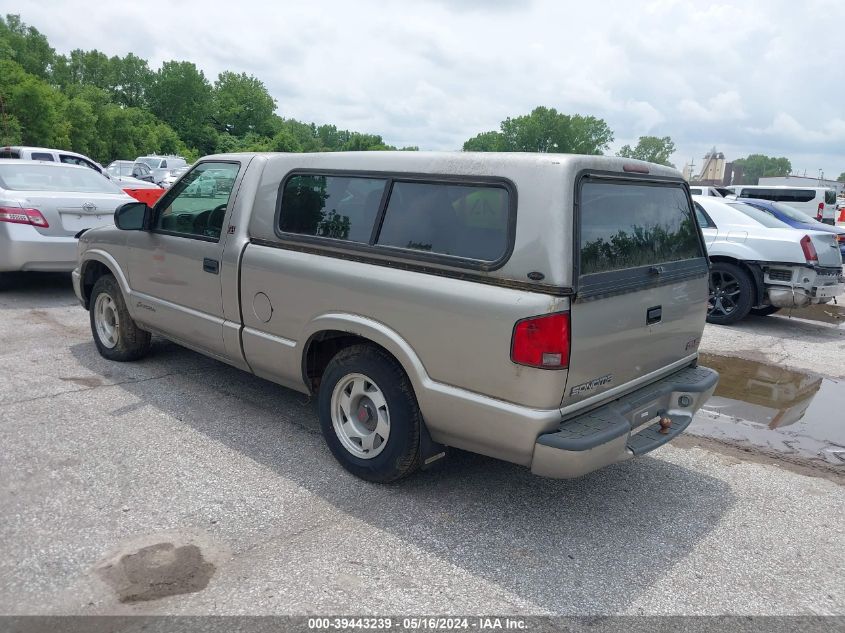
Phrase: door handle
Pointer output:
(211, 266)
(653, 315)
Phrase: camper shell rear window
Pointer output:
(628, 224)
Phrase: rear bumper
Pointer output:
(624, 428)
(22, 247)
(808, 286)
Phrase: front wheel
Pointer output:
(369, 414)
(731, 292)
(115, 333)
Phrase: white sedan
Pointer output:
(760, 265)
(43, 206)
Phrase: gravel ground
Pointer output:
(180, 485)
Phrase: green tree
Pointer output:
(284, 141)
(546, 130)
(130, 78)
(305, 134)
(26, 46)
(841, 177)
(117, 107)
(485, 142)
(758, 166)
(365, 143)
(82, 126)
(242, 104)
(652, 149)
(180, 95)
(38, 108)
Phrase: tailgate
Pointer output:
(642, 283)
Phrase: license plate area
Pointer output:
(644, 415)
(826, 292)
(75, 222)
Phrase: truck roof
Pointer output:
(488, 163)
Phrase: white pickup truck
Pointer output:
(760, 265)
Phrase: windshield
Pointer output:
(759, 216)
(150, 162)
(829, 196)
(67, 178)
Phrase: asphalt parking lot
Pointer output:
(180, 485)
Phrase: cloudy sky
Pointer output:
(755, 76)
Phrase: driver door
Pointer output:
(174, 269)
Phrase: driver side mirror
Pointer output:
(133, 216)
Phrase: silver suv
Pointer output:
(541, 309)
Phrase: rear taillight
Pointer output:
(820, 212)
(809, 249)
(542, 341)
(16, 215)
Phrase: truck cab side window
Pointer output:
(196, 207)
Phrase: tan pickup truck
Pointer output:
(541, 309)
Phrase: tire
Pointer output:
(731, 292)
(764, 311)
(115, 333)
(375, 391)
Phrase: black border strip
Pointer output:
(403, 253)
(629, 279)
(419, 267)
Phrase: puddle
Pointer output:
(774, 409)
(825, 312)
(157, 571)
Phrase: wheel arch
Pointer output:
(330, 333)
(96, 264)
(754, 271)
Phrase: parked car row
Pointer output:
(151, 169)
(145, 178)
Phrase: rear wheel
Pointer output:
(115, 333)
(369, 414)
(764, 311)
(731, 291)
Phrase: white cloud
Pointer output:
(436, 72)
(786, 126)
(725, 106)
